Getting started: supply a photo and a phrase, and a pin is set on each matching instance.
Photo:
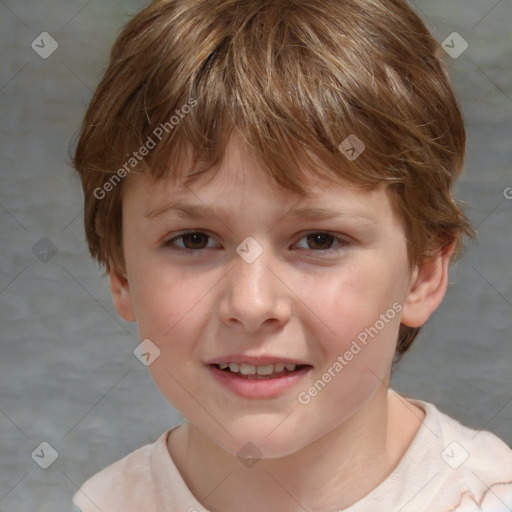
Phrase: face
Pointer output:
(256, 281)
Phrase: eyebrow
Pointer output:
(198, 211)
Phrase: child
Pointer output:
(268, 184)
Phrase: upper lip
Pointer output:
(255, 360)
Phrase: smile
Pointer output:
(258, 382)
(268, 371)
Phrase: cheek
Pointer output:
(169, 306)
(361, 307)
(355, 299)
(163, 294)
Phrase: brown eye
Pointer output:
(322, 241)
(195, 240)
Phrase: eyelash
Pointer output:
(342, 241)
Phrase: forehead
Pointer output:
(231, 203)
(240, 180)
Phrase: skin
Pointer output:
(298, 299)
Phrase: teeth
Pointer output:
(265, 370)
(234, 367)
(249, 369)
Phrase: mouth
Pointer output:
(262, 376)
(261, 372)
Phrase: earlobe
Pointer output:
(427, 288)
(121, 296)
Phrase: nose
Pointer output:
(255, 296)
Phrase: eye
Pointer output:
(321, 241)
(193, 241)
(317, 241)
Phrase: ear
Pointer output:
(121, 296)
(427, 288)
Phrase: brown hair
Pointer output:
(296, 78)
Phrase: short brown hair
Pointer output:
(296, 78)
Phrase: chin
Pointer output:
(259, 441)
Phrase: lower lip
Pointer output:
(257, 388)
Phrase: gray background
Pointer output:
(68, 375)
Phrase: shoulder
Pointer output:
(470, 450)
(474, 468)
(120, 485)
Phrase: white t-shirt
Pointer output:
(447, 468)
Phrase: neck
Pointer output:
(332, 473)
